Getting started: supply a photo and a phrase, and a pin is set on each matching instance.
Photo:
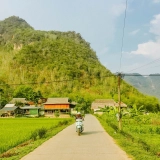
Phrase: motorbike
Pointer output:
(79, 126)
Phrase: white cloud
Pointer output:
(156, 1)
(134, 32)
(155, 25)
(151, 48)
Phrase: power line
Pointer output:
(144, 65)
(149, 67)
(123, 35)
(57, 81)
(75, 79)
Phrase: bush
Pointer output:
(56, 113)
(42, 132)
(34, 135)
(39, 133)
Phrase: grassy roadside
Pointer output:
(21, 150)
(136, 149)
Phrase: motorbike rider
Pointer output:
(79, 116)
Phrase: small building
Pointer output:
(8, 110)
(102, 103)
(31, 111)
(52, 105)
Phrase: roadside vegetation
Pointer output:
(20, 136)
(140, 132)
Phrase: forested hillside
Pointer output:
(148, 85)
(56, 64)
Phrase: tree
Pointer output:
(28, 93)
(83, 104)
(1, 91)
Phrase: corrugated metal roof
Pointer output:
(8, 108)
(9, 105)
(57, 101)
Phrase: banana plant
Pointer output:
(135, 111)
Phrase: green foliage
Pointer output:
(59, 64)
(140, 134)
(135, 111)
(28, 93)
(23, 92)
(56, 113)
(83, 105)
(42, 132)
(64, 122)
(4, 95)
(34, 135)
(10, 29)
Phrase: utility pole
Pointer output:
(0, 100)
(119, 102)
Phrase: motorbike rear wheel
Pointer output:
(79, 132)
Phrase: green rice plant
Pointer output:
(15, 131)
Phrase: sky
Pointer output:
(130, 47)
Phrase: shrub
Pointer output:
(56, 113)
(34, 135)
(158, 130)
(42, 132)
(65, 122)
(38, 133)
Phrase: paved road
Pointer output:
(93, 144)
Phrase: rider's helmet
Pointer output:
(78, 115)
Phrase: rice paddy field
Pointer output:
(14, 131)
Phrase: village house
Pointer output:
(8, 110)
(20, 107)
(29, 111)
(102, 103)
(62, 105)
(47, 107)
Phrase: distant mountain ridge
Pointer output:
(149, 85)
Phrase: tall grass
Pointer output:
(139, 136)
